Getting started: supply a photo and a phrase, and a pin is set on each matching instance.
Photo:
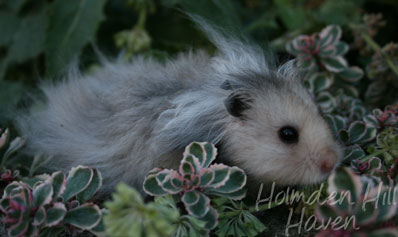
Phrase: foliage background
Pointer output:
(40, 38)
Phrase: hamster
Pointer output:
(130, 117)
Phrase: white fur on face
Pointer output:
(254, 143)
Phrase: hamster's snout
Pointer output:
(328, 161)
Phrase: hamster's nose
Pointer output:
(328, 161)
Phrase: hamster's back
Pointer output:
(106, 120)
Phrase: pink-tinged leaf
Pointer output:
(189, 165)
(221, 175)
(387, 206)
(306, 63)
(330, 35)
(93, 187)
(334, 64)
(200, 207)
(190, 198)
(327, 51)
(205, 152)
(55, 214)
(342, 48)
(4, 138)
(58, 182)
(237, 195)
(40, 216)
(366, 213)
(85, 217)
(326, 101)
(357, 131)
(19, 229)
(211, 153)
(374, 163)
(236, 181)
(152, 187)
(42, 194)
(206, 177)
(78, 180)
(211, 218)
(168, 185)
(351, 74)
(161, 175)
(325, 212)
(344, 179)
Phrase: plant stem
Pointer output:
(378, 152)
(378, 50)
(374, 154)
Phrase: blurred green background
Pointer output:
(39, 39)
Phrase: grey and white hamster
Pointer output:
(127, 118)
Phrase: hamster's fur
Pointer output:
(127, 118)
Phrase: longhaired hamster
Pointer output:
(127, 118)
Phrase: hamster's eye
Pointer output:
(288, 135)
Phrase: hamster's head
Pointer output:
(275, 131)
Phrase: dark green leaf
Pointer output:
(73, 24)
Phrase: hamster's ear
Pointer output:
(236, 104)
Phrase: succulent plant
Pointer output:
(196, 179)
(366, 167)
(242, 223)
(128, 215)
(362, 200)
(324, 52)
(357, 132)
(46, 202)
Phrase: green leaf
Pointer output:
(351, 74)
(85, 216)
(42, 194)
(14, 146)
(354, 152)
(342, 48)
(343, 179)
(40, 216)
(51, 232)
(200, 207)
(334, 64)
(58, 183)
(292, 17)
(357, 131)
(29, 38)
(9, 25)
(236, 181)
(326, 101)
(324, 212)
(330, 35)
(190, 198)
(92, 188)
(152, 187)
(211, 219)
(55, 214)
(221, 174)
(321, 82)
(335, 122)
(78, 180)
(73, 24)
(367, 213)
